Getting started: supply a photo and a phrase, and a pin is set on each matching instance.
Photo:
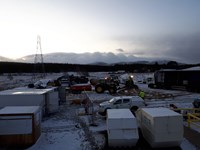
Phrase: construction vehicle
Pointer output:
(78, 88)
(102, 85)
(68, 80)
(75, 84)
(113, 83)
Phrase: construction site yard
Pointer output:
(71, 128)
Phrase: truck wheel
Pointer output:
(99, 89)
(134, 109)
(105, 112)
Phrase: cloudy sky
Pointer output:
(143, 28)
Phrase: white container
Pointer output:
(122, 128)
(23, 96)
(20, 126)
(161, 127)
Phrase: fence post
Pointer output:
(189, 120)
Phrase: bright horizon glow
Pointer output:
(59, 31)
(140, 27)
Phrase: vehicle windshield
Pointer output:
(112, 100)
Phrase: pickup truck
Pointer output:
(132, 102)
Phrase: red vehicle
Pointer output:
(78, 88)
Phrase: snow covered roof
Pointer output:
(167, 70)
(119, 113)
(187, 69)
(18, 109)
(193, 69)
(26, 91)
(160, 112)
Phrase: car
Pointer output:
(131, 102)
(196, 103)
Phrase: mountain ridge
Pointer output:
(87, 58)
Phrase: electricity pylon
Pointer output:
(38, 60)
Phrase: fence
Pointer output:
(191, 114)
(193, 119)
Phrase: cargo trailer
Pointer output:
(187, 79)
(20, 126)
(160, 127)
(122, 128)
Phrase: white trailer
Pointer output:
(46, 98)
(20, 126)
(161, 127)
(122, 128)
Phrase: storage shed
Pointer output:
(122, 128)
(46, 98)
(20, 126)
(161, 127)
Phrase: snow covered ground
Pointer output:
(70, 129)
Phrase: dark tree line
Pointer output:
(16, 67)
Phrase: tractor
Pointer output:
(105, 85)
(112, 84)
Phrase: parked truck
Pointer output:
(131, 102)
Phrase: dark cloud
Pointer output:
(119, 50)
(184, 47)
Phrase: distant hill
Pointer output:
(88, 58)
(83, 58)
(5, 59)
